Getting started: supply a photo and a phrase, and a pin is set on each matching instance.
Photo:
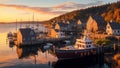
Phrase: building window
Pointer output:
(114, 31)
(23, 39)
(31, 33)
(33, 38)
(108, 27)
(28, 39)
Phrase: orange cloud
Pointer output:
(27, 8)
(55, 10)
(73, 6)
(44, 13)
(4, 0)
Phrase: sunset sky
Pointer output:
(10, 10)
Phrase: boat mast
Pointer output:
(33, 20)
(21, 23)
(16, 25)
(35, 59)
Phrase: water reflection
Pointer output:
(37, 53)
(80, 63)
(24, 52)
(11, 45)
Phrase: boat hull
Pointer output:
(72, 54)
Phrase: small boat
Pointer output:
(10, 38)
(83, 48)
(48, 46)
(67, 42)
(9, 35)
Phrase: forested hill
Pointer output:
(108, 11)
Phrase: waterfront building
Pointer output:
(113, 28)
(96, 23)
(25, 35)
(56, 34)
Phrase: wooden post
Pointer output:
(118, 45)
(115, 47)
(35, 59)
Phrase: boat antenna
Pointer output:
(33, 20)
(37, 23)
(35, 59)
(21, 23)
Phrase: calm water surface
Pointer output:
(33, 57)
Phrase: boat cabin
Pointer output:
(84, 43)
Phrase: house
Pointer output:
(25, 35)
(95, 23)
(113, 28)
(41, 31)
(61, 26)
(81, 24)
(56, 34)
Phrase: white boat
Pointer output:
(83, 47)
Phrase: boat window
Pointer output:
(83, 46)
(31, 33)
(89, 46)
(23, 39)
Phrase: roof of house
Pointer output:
(114, 25)
(62, 24)
(83, 20)
(26, 32)
(99, 19)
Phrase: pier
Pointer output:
(42, 41)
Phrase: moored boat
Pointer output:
(83, 48)
(10, 38)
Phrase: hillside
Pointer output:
(108, 11)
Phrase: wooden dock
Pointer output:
(42, 41)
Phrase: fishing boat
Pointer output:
(10, 38)
(83, 48)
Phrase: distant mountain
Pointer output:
(25, 22)
(109, 11)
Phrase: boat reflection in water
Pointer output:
(52, 62)
(85, 62)
(91, 62)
